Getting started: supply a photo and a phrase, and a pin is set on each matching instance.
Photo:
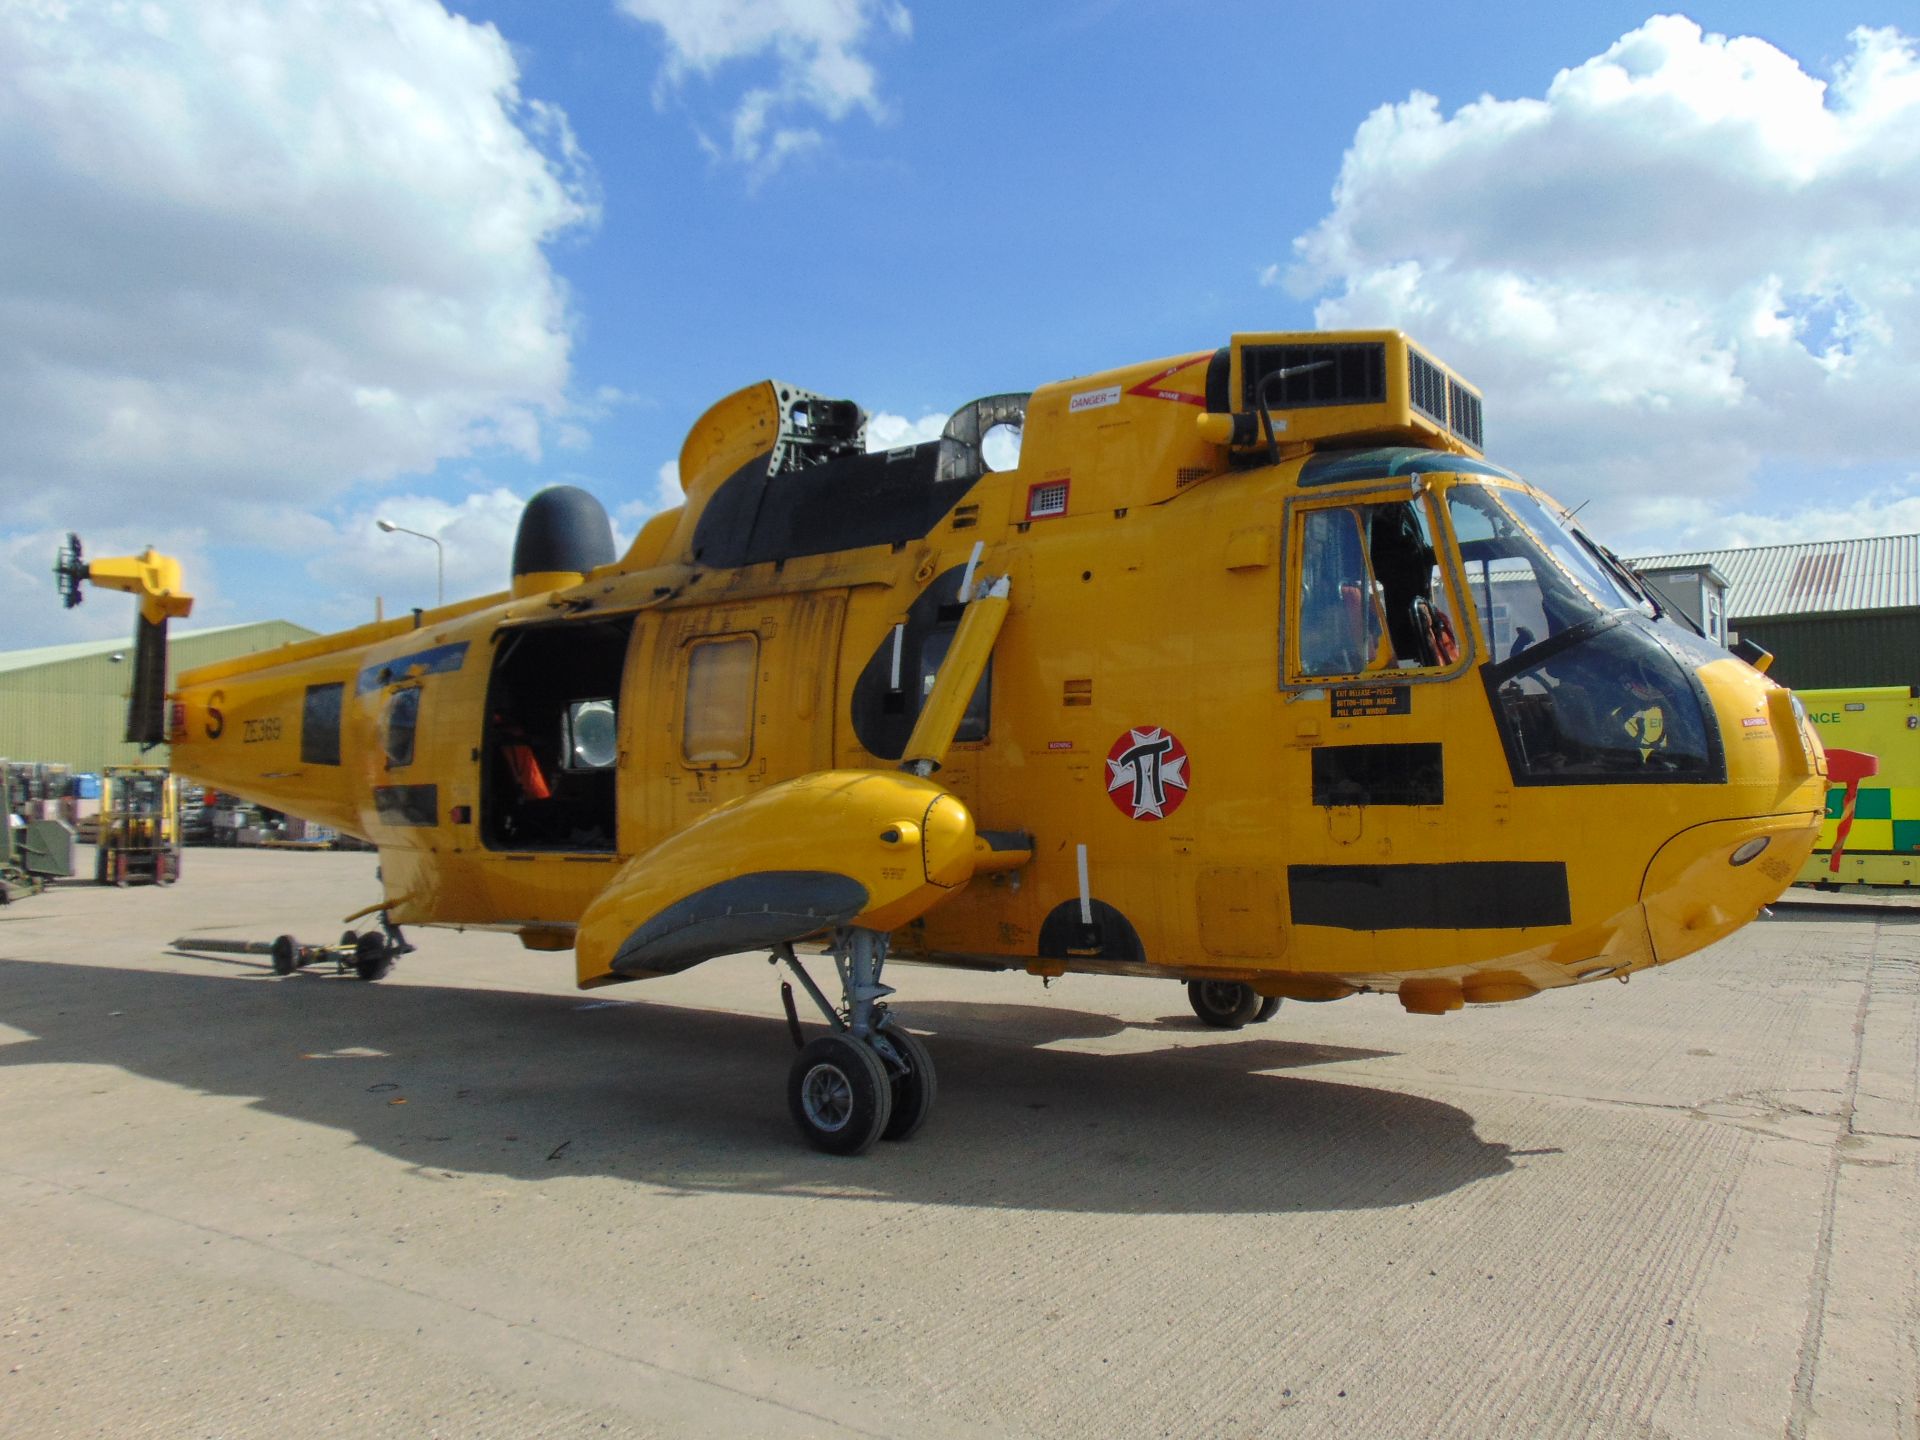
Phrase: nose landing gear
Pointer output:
(869, 1079)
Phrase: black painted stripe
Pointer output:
(1379, 775)
(407, 804)
(1464, 895)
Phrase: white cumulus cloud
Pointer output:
(1688, 257)
(811, 57)
(255, 252)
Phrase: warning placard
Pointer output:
(1352, 701)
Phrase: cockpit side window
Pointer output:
(1370, 598)
(1523, 594)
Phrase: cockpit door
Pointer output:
(1374, 643)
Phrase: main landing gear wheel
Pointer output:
(839, 1094)
(1223, 1004)
(1269, 1008)
(372, 956)
(914, 1090)
(867, 1080)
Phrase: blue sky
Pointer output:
(277, 269)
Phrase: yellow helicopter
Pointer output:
(1249, 673)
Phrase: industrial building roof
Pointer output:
(1879, 572)
(88, 649)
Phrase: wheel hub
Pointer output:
(827, 1096)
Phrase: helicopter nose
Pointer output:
(1710, 878)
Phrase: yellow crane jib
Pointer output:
(156, 580)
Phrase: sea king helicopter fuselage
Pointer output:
(1251, 673)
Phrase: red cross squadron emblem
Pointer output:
(1147, 774)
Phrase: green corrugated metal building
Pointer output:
(67, 704)
(1837, 614)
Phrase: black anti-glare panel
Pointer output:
(1464, 895)
(1345, 374)
(1378, 775)
(320, 725)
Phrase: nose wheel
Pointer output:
(868, 1079)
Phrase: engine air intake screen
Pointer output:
(1426, 387)
(1465, 406)
(1343, 374)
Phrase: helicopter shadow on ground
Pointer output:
(1251, 1048)
(538, 1086)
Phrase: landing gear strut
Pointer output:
(869, 1079)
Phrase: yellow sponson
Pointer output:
(866, 848)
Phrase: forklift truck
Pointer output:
(139, 826)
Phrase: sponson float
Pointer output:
(1250, 672)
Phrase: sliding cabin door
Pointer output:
(731, 698)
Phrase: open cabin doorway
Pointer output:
(550, 753)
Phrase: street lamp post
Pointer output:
(439, 558)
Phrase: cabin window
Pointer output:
(551, 746)
(933, 654)
(1371, 597)
(893, 685)
(716, 727)
(591, 738)
(320, 724)
(397, 730)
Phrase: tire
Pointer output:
(839, 1095)
(1269, 1007)
(913, 1092)
(100, 865)
(371, 957)
(1222, 1004)
(286, 953)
